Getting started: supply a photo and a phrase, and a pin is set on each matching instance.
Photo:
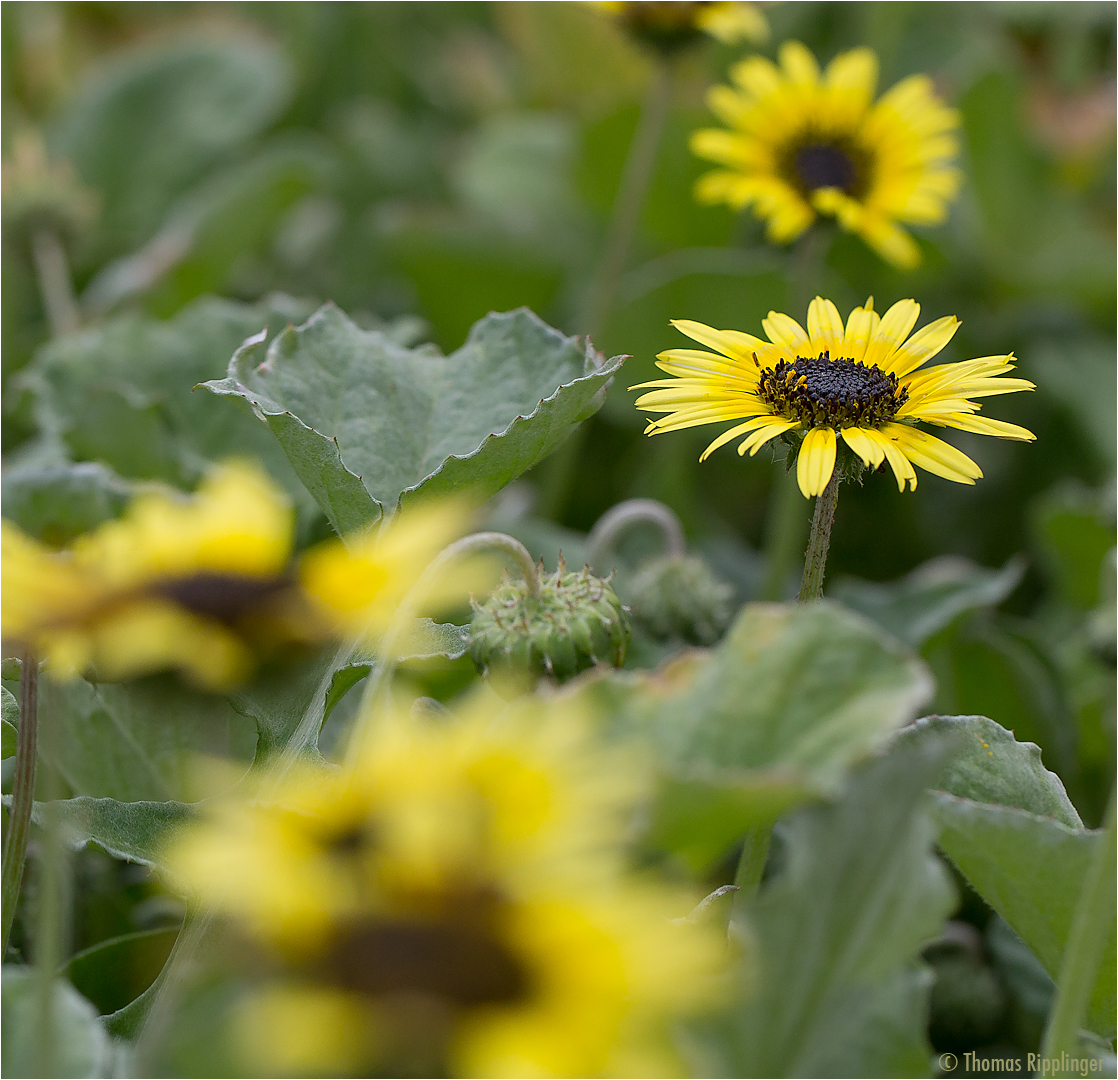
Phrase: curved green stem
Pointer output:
(618, 518)
(1094, 916)
(819, 542)
(380, 678)
(23, 791)
(55, 284)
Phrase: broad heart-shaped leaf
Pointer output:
(993, 767)
(114, 972)
(776, 712)
(1030, 870)
(926, 601)
(836, 935)
(137, 741)
(365, 421)
(79, 1046)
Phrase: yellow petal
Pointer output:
(714, 339)
(816, 461)
(784, 331)
(798, 64)
(985, 425)
(932, 454)
(824, 325)
(769, 430)
(901, 466)
(869, 450)
(896, 325)
(734, 432)
(923, 345)
(859, 330)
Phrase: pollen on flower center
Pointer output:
(821, 165)
(816, 390)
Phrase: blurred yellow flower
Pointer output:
(464, 883)
(859, 380)
(804, 143)
(177, 582)
(669, 25)
(358, 584)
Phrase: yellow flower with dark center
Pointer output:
(203, 583)
(860, 381)
(803, 143)
(463, 887)
(177, 582)
(671, 25)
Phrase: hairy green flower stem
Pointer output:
(815, 559)
(1094, 915)
(631, 512)
(380, 678)
(23, 791)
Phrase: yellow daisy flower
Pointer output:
(177, 582)
(670, 25)
(463, 887)
(804, 143)
(859, 380)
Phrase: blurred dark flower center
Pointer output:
(458, 962)
(225, 597)
(821, 165)
(817, 390)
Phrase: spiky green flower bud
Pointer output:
(677, 597)
(577, 621)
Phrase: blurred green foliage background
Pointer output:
(423, 163)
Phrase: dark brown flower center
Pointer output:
(820, 165)
(817, 391)
(225, 597)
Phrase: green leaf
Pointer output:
(1030, 870)
(993, 767)
(126, 830)
(121, 393)
(1075, 532)
(137, 741)
(781, 708)
(835, 936)
(365, 421)
(147, 124)
(55, 501)
(9, 721)
(929, 599)
(79, 1045)
(116, 971)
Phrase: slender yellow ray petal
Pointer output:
(715, 339)
(923, 345)
(798, 63)
(825, 328)
(869, 450)
(859, 328)
(762, 435)
(784, 331)
(901, 466)
(816, 461)
(985, 425)
(932, 454)
(678, 421)
(728, 436)
(895, 326)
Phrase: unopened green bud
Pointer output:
(577, 621)
(43, 194)
(677, 597)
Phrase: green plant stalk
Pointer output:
(1092, 919)
(55, 285)
(618, 518)
(23, 791)
(629, 202)
(751, 865)
(815, 559)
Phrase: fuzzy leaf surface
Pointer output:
(1030, 869)
(365, 421)
(836, 935)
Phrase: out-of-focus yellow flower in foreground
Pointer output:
(668, 26)
(858, 380)
(803, 143)
(177, 582)
(359, 584)
(463, 890)
(202, 583)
